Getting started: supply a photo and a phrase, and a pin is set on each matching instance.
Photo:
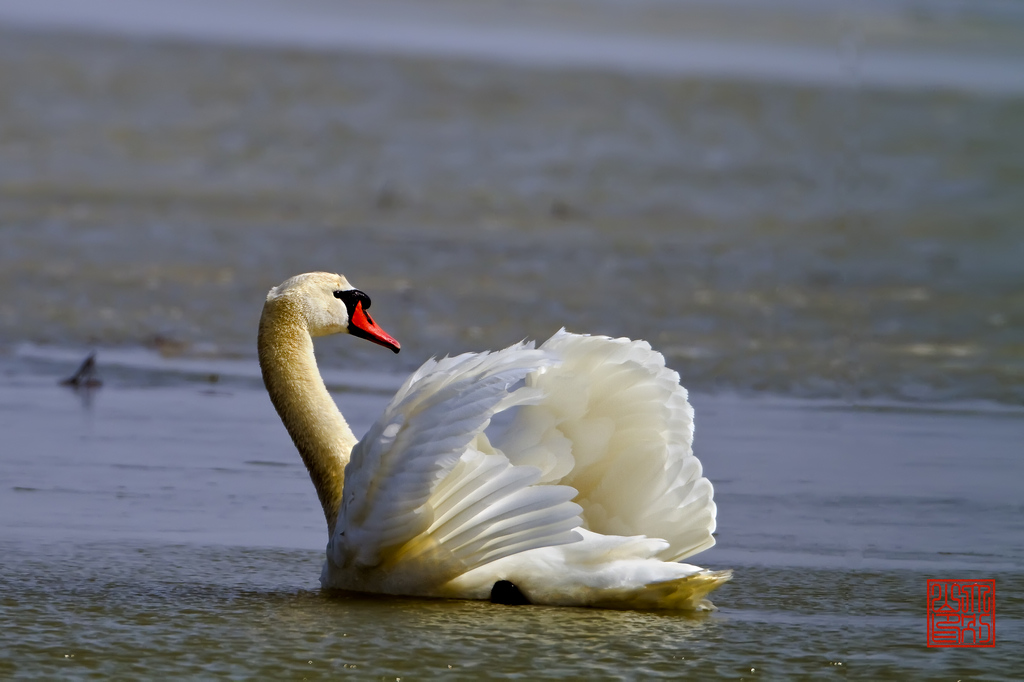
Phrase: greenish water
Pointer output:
(834, 268)
(185, 611)
(165, 526)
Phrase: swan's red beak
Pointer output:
(362, 325)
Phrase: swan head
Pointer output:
(329, 304)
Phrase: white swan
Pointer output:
(591, 496)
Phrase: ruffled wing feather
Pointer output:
(616, 425)
(426, 495)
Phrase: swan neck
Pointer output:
(321, 435)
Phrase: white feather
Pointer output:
(590, 496)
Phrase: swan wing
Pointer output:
(426, 496)
(616, 425)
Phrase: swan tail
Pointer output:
(689, 593)
(600, 571)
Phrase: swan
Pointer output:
(590, 494)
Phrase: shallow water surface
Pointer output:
(115, 610)
(168, 527)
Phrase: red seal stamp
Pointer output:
(962, 613)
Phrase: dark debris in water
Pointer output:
(85, 377)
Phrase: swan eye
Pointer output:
(352, 296)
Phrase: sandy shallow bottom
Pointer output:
(164, 525)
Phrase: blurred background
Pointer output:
(817, 199)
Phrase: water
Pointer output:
(133, 616)
(831, 262)
(812, 241)
(166, 527)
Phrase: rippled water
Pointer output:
(165, 525)
(185, 611)
(833, 268)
